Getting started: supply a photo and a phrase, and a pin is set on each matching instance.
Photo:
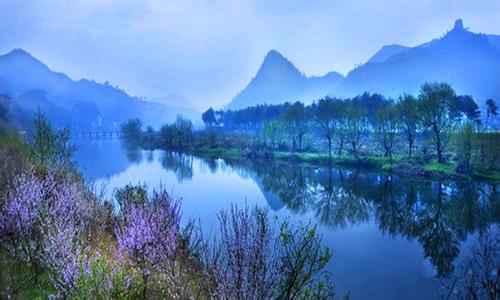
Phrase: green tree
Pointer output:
(407, 109)
(271, 132)
(49, 147)
(132, 131)
(439, 113)
(149, 138)
(326, 118)
(356, 127)
(465, 143)
(208, 117)
(183, 132)
(166, 136)
(386, 126)
(491, 112)
(295, 121)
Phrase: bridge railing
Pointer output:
(97, 135)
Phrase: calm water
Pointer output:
(389, 237)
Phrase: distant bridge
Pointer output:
(101, 135)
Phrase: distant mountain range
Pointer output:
(469, 61)
(81, 105)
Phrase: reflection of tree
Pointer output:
(298, 193)
(133, 152)
(438, 215)
(291, 182)
(334, 205)
(395, 208)
(209, 162)
(179, 163)
(434, 231)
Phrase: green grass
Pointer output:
(489, 175)
(436, 167)
(233, 153)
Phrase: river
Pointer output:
(389, 237)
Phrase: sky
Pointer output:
(207, 51)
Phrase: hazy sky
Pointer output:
(208, 50)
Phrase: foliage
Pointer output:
(51, 148)
(147, 232)
(364, 127)
(294, 119)
(44, 224)
(409, 119)
(208, 117)
(271, 133)
(251, 261)
(439, 112)
(132, 131)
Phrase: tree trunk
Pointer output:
(439, 147)
(330, 147)
(354, 150)
(341, 146)
(410, 145)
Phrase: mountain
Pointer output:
(278, 80)
(386, 52)
(180, 106)
(80, 105)
(469, 61)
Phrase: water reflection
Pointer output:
(439, 215)
(179, 163)
(378, 226)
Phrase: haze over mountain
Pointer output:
(278, 81)
(80, 105)
(469, 61)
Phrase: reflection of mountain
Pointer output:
(438, 215)
(273, 200)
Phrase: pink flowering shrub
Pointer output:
(43, 223)
(148, 231)
(249, 260)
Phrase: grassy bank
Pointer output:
(399, 165)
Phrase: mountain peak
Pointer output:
(19, 52)
(276, 65)
(273, 57)
(274, 54)
(459, 25)
(23, 56)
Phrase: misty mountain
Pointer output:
(386, 52)
(470, 62)
(278, 80)
(80, 105)
(180, 105)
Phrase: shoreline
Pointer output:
(401, 166)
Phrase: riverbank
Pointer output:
(400, 165)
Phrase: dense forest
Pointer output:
(437, 130)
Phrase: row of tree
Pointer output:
(177, 135)
(370, 121)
